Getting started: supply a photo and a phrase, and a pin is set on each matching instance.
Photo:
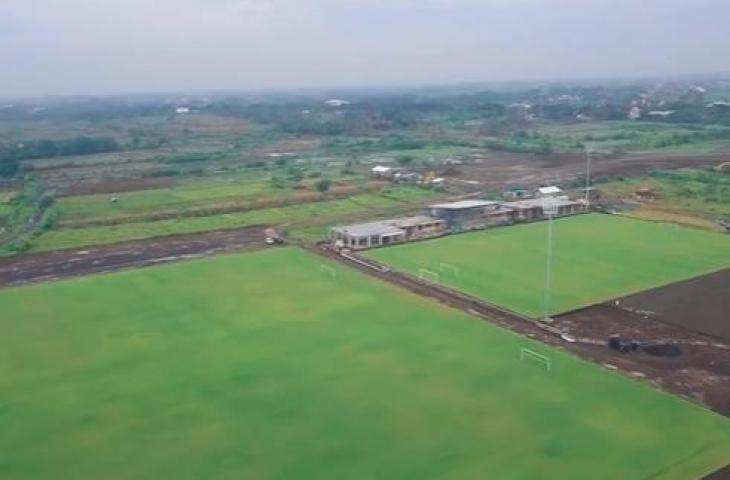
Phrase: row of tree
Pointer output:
(12, 154)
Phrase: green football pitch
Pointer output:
(595, 258)
(270, 365)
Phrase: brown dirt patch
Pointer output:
(117, 185)
(72, 263)
(701, 304)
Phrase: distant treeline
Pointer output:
(11, 155)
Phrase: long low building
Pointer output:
(475, 214)
(533, 208)
(470, 214)
(387, 232)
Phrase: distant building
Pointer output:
(336, 102)
(661, 113)
(515, 193)
(634, 113)
(550, 191)
(182, 110)
(381, 171)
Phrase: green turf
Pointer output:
(260, 366)
(596, 258)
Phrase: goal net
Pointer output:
(327, 270)
(428, 275)
(532, 356)
(449, 268)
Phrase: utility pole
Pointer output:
(588, 177)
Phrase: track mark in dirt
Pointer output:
(77, 262)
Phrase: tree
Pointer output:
(405, 159)
(9, 167)
(323, 185)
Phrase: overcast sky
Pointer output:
(110, 46)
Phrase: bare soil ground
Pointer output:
(71, 263)
(117, 185)
(501, 170)
(701, 304)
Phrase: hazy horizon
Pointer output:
(81, 47)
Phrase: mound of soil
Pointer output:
(664, 350)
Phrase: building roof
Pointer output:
(551, 190)
(383, 227)
(464, 204)
(406, 222)
(381, 169)
(540, 202)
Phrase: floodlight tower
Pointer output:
(549, 209)
(588, 177)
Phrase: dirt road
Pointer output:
(70, 263)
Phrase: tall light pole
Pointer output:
(550, 210)
(588, 177)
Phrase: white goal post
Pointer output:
(533, 356)
(327, 270)
(428, 275)
(453, 269)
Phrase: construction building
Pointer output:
(532, 209)
(386, 232)
(471, 214)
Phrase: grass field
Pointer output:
(198, 193)
(261, 366)
(395, 199)
(596, 258)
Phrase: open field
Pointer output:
(395, 199)
(695, 196)
(266, 367)
(200, 193)
(646, 136)
(596, 258)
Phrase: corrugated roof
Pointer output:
(383, 227)
(540, 202)
(464, 204)
(549, 190)
(414, 221)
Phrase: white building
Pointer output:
(551, 191)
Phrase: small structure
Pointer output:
(407, 177)
(550, 191)
(661, 113)
(182, 110)
(516, 193)
(380, 171)
(336, 102)
(470, 214)
(386, 232)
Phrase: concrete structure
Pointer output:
(386, 232)
(532, 209)
(470, 214)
